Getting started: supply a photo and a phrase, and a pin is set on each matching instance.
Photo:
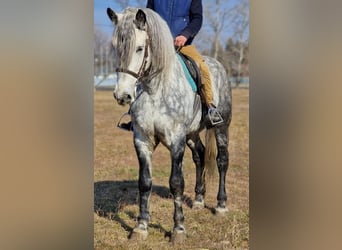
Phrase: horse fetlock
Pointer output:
(222, 202)
(179, 228)
(199, 198)
(198, 202)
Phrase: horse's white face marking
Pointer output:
(125, 89)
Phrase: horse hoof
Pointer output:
(178, 236)
(198, 204)
(138, 234)
(221, 211)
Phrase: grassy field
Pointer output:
(116, 188)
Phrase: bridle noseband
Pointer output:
(142, 72)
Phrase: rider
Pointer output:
(184, 18)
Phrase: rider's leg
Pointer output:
(192, 52)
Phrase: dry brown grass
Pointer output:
(116, 174)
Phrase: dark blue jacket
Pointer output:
(184, 17)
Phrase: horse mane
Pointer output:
(161, 45)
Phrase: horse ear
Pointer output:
(140, 19)
(112, 16)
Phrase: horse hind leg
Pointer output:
(197, 149)
(222, 164)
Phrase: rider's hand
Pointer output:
(180, 41)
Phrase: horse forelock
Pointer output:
(161, 41)
(124, 38)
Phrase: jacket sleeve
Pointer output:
(196, 19)
(150, 4)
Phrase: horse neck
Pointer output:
(163, 79)
(172, 83)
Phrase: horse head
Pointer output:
(133, 56)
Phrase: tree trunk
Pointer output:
(238, 81)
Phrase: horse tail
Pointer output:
(210, 152)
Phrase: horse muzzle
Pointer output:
(123, 99)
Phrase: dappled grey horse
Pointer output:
(166, 110)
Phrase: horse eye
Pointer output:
(139, 49)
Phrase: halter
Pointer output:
(142, 72)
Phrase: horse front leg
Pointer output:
(144, 151)
(177, 188)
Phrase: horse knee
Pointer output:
(177, 185)
(145, 184)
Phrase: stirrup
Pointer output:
(214, 116)
(124, 126)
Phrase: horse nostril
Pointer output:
(123, 99)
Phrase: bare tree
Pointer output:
(217, 19)
(240, 24)
(126, 3)
(102, 50)
(101, 40)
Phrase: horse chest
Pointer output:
(152, 120)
